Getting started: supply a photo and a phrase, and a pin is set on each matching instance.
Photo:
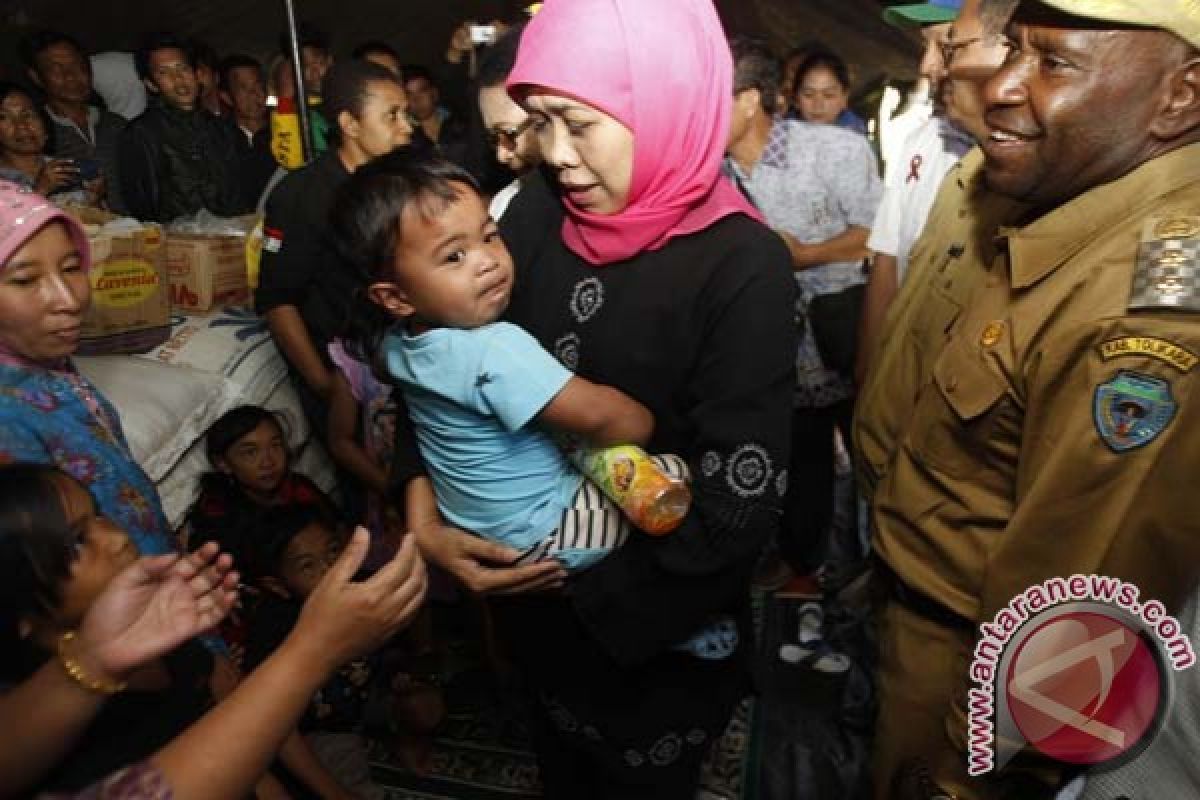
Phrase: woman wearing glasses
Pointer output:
(507, 124)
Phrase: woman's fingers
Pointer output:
(512, 580)
(553, 579)
(483, 550)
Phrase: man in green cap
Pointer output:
(1046, 370)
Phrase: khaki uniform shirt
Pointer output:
(1031, 412)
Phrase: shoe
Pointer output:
(811, 620)
(818, 656)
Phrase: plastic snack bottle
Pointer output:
(654, 501)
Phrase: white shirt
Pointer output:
(911, 185)
(502, 198)
(115, 78)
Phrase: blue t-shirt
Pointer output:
(471, 394)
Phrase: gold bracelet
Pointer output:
(79, 674)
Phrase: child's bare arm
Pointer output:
(343, 440)
(602, 415)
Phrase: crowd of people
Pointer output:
(574, 233)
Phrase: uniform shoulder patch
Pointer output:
(1167, 274)
(1132, 409)
(1162, 350)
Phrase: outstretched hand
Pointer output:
(156, 604)
(344, 618)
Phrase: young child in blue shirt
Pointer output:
(483, 395)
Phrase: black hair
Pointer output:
(307, 35)
(261, 550)
(411, 72)
(366, 221)
(159, 40)
(822, 58)
(233, 425)
(240, 514)
(237, 61)
(203, 55)
(8, 88)
(37, 548)
(35, 43)
(375, 47)
(755, 66)
(345, 88)
(497, 61)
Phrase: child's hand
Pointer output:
(343, 619)
(482, 566)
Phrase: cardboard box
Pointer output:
(130, 311)
(206, 270)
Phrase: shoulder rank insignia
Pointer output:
(1132, 409)
(1168, 265)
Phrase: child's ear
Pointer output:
(275, 586)
(24, 628)
(222, 465)
(392, 298)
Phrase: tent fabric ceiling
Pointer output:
(419, 29)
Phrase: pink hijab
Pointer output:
(22, 214)
(663, 69)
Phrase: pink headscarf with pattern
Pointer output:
(23, 213)
(663, 69)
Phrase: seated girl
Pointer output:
(479, 391)
(247, 449)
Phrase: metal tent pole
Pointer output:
(301, 90)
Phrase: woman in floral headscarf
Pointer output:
(640, 267)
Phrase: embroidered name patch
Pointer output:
(1132, 409)
(1178, 357)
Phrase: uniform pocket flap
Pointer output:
(969, 385)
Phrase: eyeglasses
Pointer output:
(507, 137)
(949, 47)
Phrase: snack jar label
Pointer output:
(123, 282)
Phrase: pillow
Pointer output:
(163, 408)
(231, 342)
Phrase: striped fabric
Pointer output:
(594, 522)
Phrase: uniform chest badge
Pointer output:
(1132, 409)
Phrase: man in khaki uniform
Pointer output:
(1032, 413)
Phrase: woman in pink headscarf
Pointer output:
(640, 267)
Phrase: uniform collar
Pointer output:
(1042, 246)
